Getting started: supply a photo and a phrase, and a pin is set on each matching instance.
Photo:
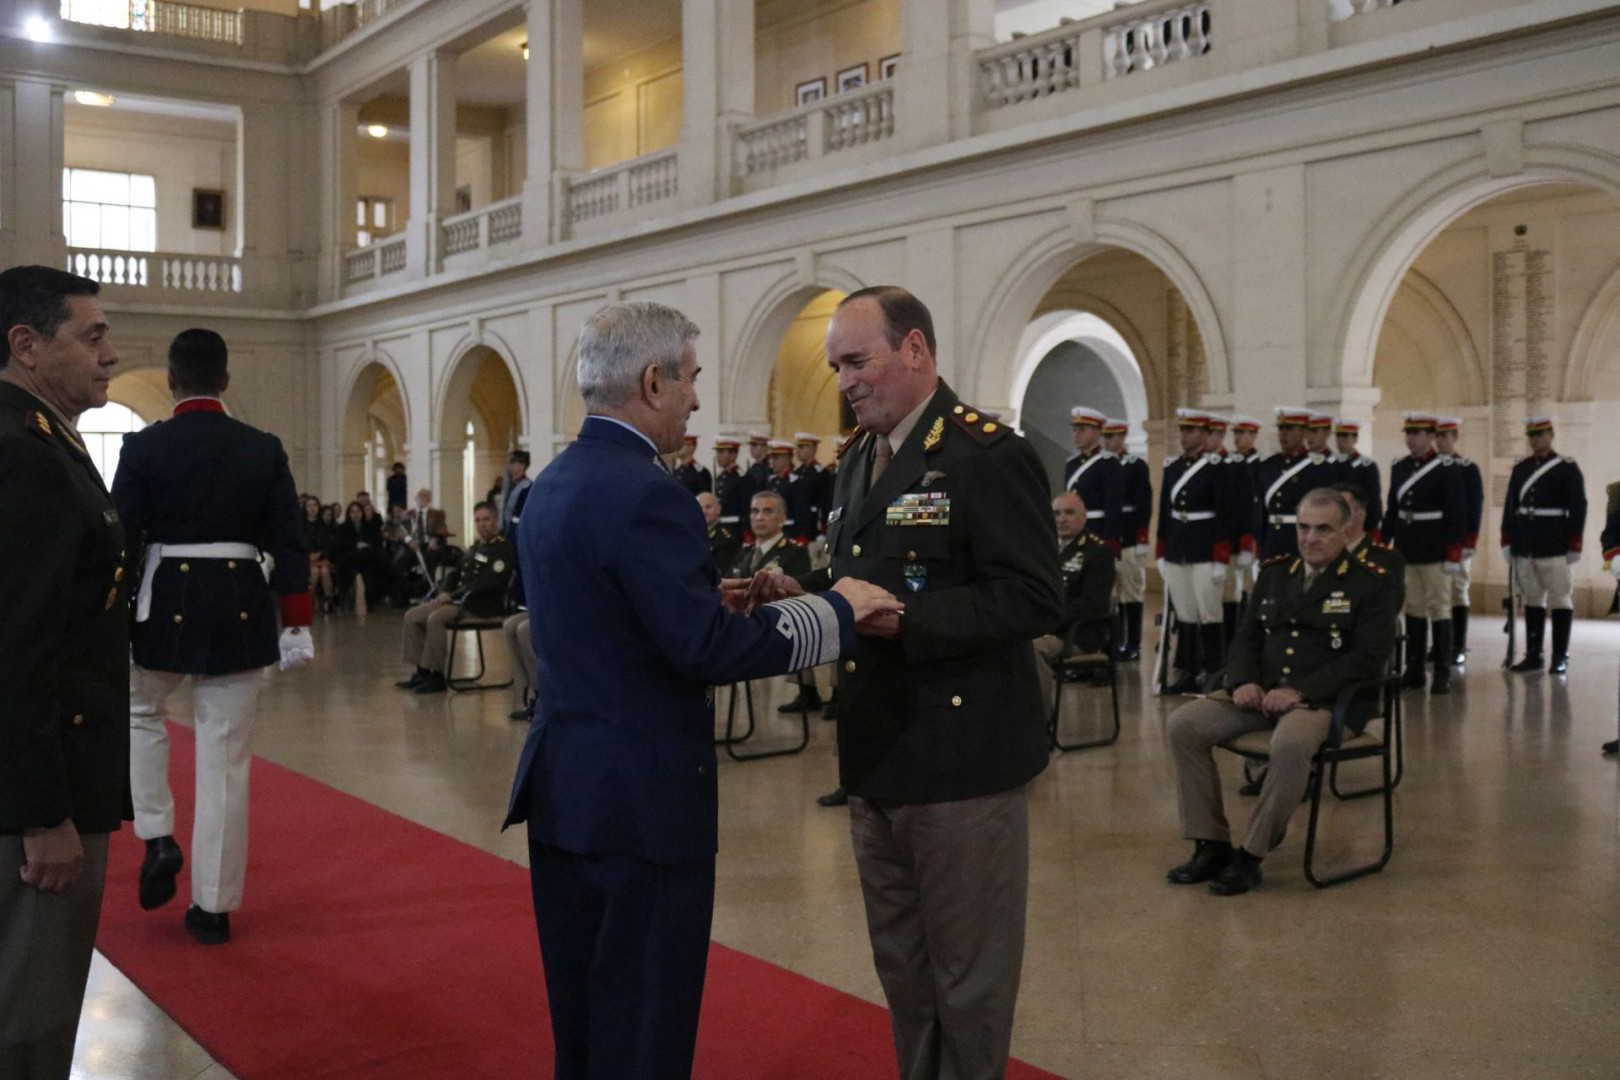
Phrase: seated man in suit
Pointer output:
(1087, 566)
(477, 587)
(724, 540)
(1316, 623)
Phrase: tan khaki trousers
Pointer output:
(1130, 577)
(427, 633)
(1197, 727)
(521, 645)
(946, 887)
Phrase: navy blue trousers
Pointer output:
(625, 943)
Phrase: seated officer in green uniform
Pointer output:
(1317, 622)
(476, 588)
(1087, 566)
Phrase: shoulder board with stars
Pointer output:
(1368, 565)
(984, 431)
(1275, 560)
(854, 437)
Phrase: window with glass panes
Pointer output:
(112, 211)
(374, 214)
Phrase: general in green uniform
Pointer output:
(476, 588)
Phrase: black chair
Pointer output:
(478, 627)
(731, 740)
(1381, 736)
(1081, 668)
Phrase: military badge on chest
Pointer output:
(919, 510)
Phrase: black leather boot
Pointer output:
(1444, 654)
(1133, 632)
(1209, 858)
(809, 699)
(1229, 621)
(1535, 631)
(1211, 656)
(1563, 620)
(1184, 666)
(1417, 648)
(1459, 634)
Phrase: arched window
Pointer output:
(104, 430)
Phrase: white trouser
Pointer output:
(1545, 583)
(1193, 591)
(1130, 576)
(1460, 582)
(226, 706)
(1428, 591)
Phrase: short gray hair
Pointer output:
(1326, 496)
(774, 496)
(621, 341)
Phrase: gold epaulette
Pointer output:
(983, 429)
(844, 446)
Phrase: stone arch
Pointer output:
(144, 391)
(1597, 336)
(481, 386)
(1438, 308)
(746, 375)
(1386, 254)
(374, 380)
(1041, 265)
(453, 379)
(1046, 332)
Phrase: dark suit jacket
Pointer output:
(629, 631)
(204, 478)
(64, 637)
(951, 708)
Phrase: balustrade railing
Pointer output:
(810, 131)
(496, 223)
(158, 270)
(158, 17)
(1340, 10)
(641, 181)
(374, 261)
(1031, 67)
(1153, 39)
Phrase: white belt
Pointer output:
(1410, 516)
(1095, 514)
(1127, 509)
(1543, 511)
(728, 519)
(156, 553)
(1284, 519)
(1192, 515)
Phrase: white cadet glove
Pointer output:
(1141, 551)
(1244, 559)
(1572, 557)
(1161, 564)
(1452, 568)
(1613, 567)
(297, 647)
(1218, 570)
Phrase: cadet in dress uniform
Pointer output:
(1282, 479)
(1196, 516)
(1136, 509)
(814, 478)
(1318, 430)
(730, 483)
(1239, 481)
(1425, 520)
(1359, 469)
(1611, 563)
(693, 477)
(758, 470)
(477, 588)
(1245, 430)
(1317, 623)
(1095, 476)
(797, 496)
(1446, 432)
(206, 494)
(1088, 571)
(64, 663)
(1543, 522)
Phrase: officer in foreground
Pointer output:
(64, 663)
(1317, 623)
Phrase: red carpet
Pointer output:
(372, 948)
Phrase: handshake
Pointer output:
(877, 611)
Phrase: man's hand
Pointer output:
(885, 625)
(1613, 567)
(1248, 696)
(1572, 557)
(297, 647)
(734, 594)
(769, 586)
(868, 600)
(53, 858)
(443, 597)
(1279, 701)
(1451, 568)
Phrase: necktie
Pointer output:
(880, 460)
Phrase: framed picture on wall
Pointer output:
(852, 78)
(887, 67)
(207, 208)
(814, 90)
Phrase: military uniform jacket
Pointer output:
(1098, 479)
(731, 488)
(204, 478)
(1279, 483)
(1545, 513)
(1200, 510)
(1371, 551)
(479, 583)
(1136, 499)
(960, 527)
(1611, 523)
(724, 543)
(1318, 640)
(1426, 519)
(1362, 471)
(693, 477)
(791, 557)
(803, 514)
(1087, 569)
(64, 630)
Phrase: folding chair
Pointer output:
(731, 740)
(477, 627)
(1079, 668)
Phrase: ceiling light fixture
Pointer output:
(377, 131)
(90, 97)
(38, 29)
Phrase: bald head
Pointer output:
(710, 506)
(1069, 513)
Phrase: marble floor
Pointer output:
(1489, 948)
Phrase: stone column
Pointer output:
(31, 133)
(936, 87)
(717, 80)
(433, 158)
(1268, 331)
(555, 115)
(340, 120)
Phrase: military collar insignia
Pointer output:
(40, 424)
(854, 436)
(935, 434)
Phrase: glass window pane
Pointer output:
(142, 191)
(115, 227)
(85, 229)
(379, 214)
(67, 183)
(360, 212)
(143, 230)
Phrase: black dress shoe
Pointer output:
(1209, 859)
(1413, 680)
(1529, 663)
(1560, 665)
(836, 797)
(807, 701)
(1129, 656)
(1251, 789)
(1612, 746)
(163, 861)
(519, 714)
(1185, 682)
(207, 927)
(1442, 681)
(1240, 875)
(432, 683)
(414, 681)
(829, 711)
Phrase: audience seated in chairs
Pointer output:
(478, 587)
(359, 554)
(1087, 565)
(1317, 624)
(318, 541)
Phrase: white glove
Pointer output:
(1244, 559)
(297, 647)
(1452, 568)
(1141, 551)
(1161, 564)
(1468, 553)
(1219, 572)
(1572, 557)
(1613, 567)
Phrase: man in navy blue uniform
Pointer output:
(803, 520)
(1130, 586)
(617, 778)
(1543, 526)
(1095, 475)
(1282, 479)
(693, 477)
(1425, 520)
(1447, 431)
(1362, 471)
(730, 485)
(206, 496)
(1197, 514)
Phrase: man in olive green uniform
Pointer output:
(725, 540)
(64, 664)
(1088, 567)
(940, 724)
(767, 517)
(1318, 622)
(476, 588)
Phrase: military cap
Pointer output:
(1290, 416)
(1535, 425)
(1418, 421)
(1080, 416)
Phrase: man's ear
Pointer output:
(652, 384)
(20, 344)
